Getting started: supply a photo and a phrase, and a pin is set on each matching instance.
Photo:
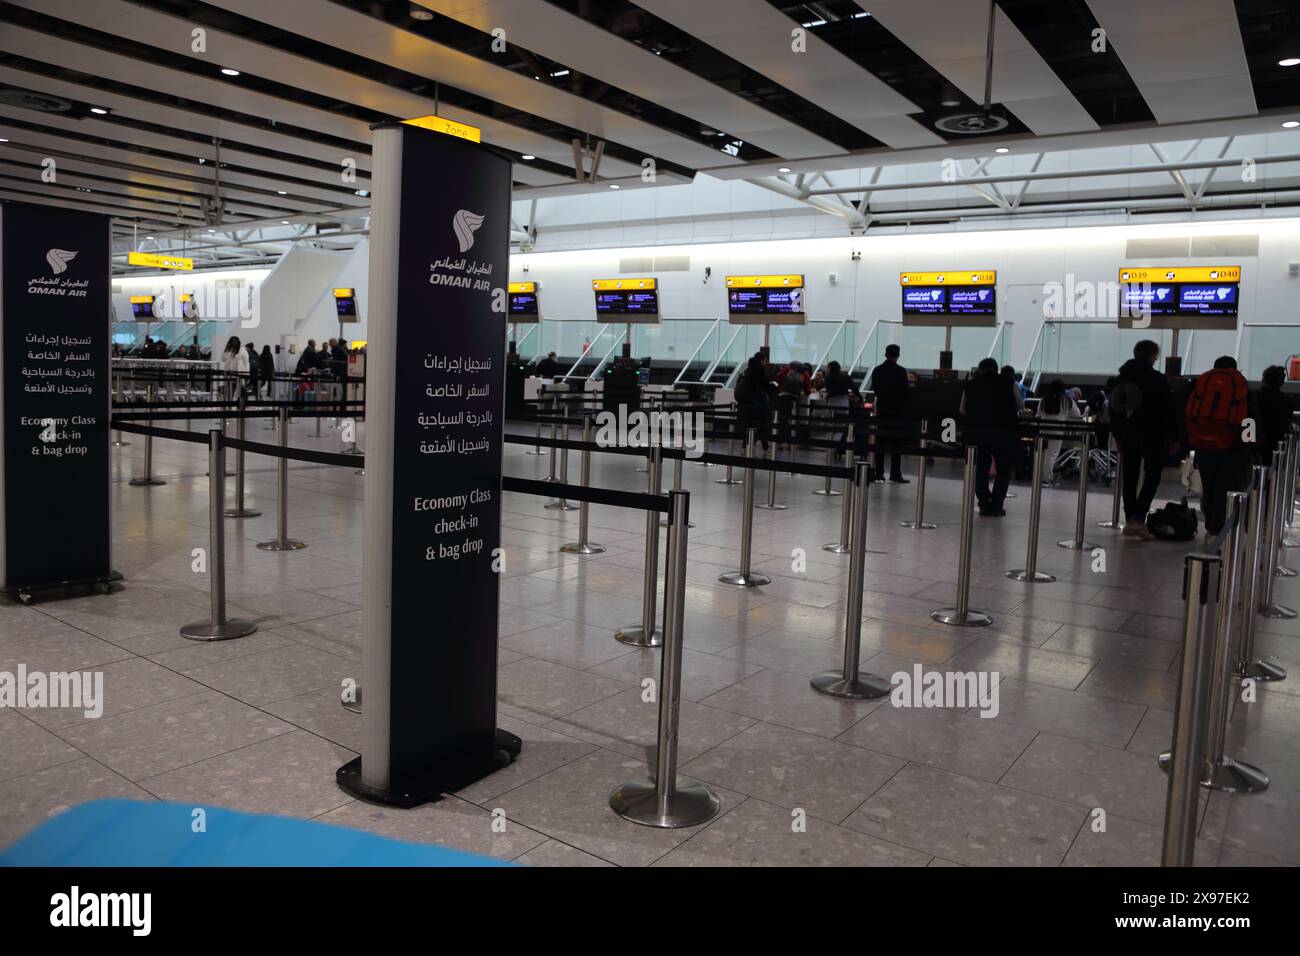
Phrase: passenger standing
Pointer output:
(889, 382)
(1146, 429)
(233, 362)
(1216, 408)
(839, 386)
(254, 368)
(1056, 406)
(754, 400)
(988, 404)
(1275, 412)
(266, 368)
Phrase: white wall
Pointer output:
(296, 288)
(322, 319)
(1026, 261)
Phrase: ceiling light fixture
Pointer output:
(1289, 61)
(99, 111)
(282, 192)
(1001, 149)
(528, 157)
(419, 13)
(1291, 124)
(229, 72)
(784, 169)
(615, 186)
(284, 222)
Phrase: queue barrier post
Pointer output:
(555, 411)
(1276, 495)
(668, 801)
(282, 540)
(240, 511)
(1286, 504)
(727, 479)
(772, 504)
(918, 522)
(147, 480)
(826, 490)
(117, 389)
(677, 485)
(582, 545)
(1182, 796)
(850, 683)
(747, 577)
(1081, 508)
(562, 503)
(1117, 495)
(846, 512)
(647, 634)
(1220, 772)
(962, 615)
(1030, 573)
(1251, 593)
(218, 627)
(1293, 472)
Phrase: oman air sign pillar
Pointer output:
(54, 398)
(439, 261)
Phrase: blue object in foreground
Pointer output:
(142, 833)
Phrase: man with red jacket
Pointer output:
(1216, 408)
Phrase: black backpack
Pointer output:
(1174, 522)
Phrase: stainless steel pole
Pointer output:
(561, 503)
(1117, 497)
(962, 615)
(1289, 498)
(239, 511)
(217, 627)
(282, 540)
(117, 441)
(147, 480)
(745, 577)
(669, 801)
(850, 683)
(646, 634)
(1276, 493)
(555, 411)
(918, 522)
(582, 545)
(842, 546)
(772, 504)
(1030, 573)
(1081, 509)
(1185, 767)
(1247, 664)
(727, 479)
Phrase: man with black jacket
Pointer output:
(889, 382)
(988, 405)
(1145, 424)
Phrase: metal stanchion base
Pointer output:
(863, 687)
(1072, 545)
(702, 464)
(923, 526)
(949, 615)
(1038, 577)
(836, 547)
(241, 512)
(1277, 611)
(145, 482)
(1229, 776)
(1263, 670)
(1284, 572)
(728, 481)
(281, 546)
(634, 636)
(206, 631)
(352, 706)
(1117, 525)
(689, 805)
(120, 444)
(578, 548)
(773, 507)
(549, 480)
(534, 451)
(360, 471)
(832, 493)
(663, 523)
(561, 506)
(742, 580)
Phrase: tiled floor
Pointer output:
(1087, 670)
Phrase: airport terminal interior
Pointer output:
(590, 433)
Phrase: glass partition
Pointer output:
(1089, 347)
(1263, 344)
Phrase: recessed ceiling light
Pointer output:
(1002, 149)
(528, 157)
(212, 230)
(229, 72)
(99, 111)
(1291, 124)
(149, 237)
(615, 186)
(363, 192)
(1289, 61)
(784, 169)
(419, 13)
(3, 140)
(282, 192)
(950, 103)
(284, 222)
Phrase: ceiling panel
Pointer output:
(1186, 56)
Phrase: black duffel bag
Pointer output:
(1174, 522)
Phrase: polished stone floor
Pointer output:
(1087, 668)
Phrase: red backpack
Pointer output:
(1215, 409)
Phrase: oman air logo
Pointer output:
(465, 224)
(59, 259)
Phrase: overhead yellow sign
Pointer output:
(1180, 274)
(523, 287)
(157, 261)
(764, 282)
(607, 285)
(953, 277)
(141, 299)
(449, 127)
(345, 293)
